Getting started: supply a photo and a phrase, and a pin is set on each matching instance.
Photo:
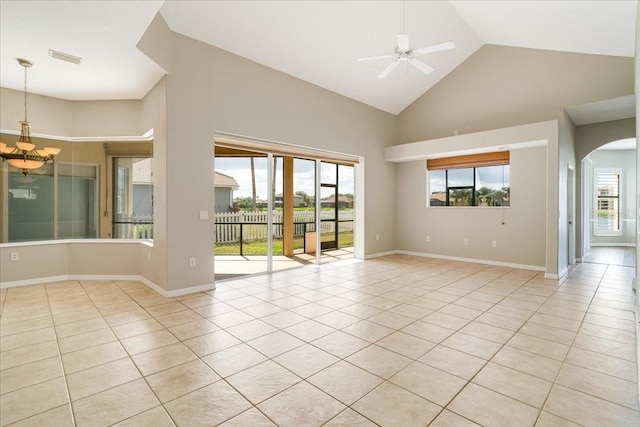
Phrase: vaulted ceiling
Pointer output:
(316, 41)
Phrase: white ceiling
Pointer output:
(621, 144)
(317, 41)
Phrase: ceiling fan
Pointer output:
(403, 53)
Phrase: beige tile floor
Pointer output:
(395, 341)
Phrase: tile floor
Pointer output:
(395, 341)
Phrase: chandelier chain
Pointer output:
(25, 94)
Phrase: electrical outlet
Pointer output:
(494, 244)
(14, 256)
(428, 238)
(204, 214)
(466, 241)
(377, 237)
(192, 262)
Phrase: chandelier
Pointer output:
(24, 155)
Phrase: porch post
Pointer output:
(287, 207)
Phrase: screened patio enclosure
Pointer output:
(280, 204)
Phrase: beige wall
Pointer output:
(48, 116)
(587, 139)
(154, 266)
(565, 203)
(500, 86)
(448, 227)
(636, 87)
(66, 119)
(64, 258)
(210, 90)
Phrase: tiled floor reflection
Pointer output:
(394, 341)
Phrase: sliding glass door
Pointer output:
(274, 211)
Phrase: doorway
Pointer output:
(608, 205)
(274, 203)
(571, 203)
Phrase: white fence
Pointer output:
(133, 227)
(228, 225)
(254, 224)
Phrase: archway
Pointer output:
(608, 214)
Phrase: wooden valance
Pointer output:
(496, 158)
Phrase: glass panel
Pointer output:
(607, 188)
(304, 191)
(328, 202)
(438, 188)
(31, 205)
(133, 198)
(328, 235)
(328, 173)
(77, 201)
(278, 206)
(492, 186)
(460, 177)
(346, 177)
(241, 215)
(461, 196)
(607, 214)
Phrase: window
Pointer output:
(607, 202)
(58, 201)
(133, 198)
(475, 180)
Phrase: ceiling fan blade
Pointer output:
(403, 42)
(434, 48)
(389, 69)
(368, 58)
(421, 66)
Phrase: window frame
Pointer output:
(473, 162)
(597, 232)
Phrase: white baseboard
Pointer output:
(613, 245)
(38, 281)
(474, 260)
(149, 283)
(184, 291)
(381, 254)
(551, 276)
(563, 272)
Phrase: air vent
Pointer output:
(64, 56)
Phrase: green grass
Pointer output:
(259, 247)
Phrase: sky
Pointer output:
(303, 175)
(491, 176)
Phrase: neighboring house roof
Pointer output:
(222, 180)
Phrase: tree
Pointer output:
(483, 194)
(273, 181)
(243, 202)
(305, 197)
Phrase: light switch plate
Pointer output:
(204, 214)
